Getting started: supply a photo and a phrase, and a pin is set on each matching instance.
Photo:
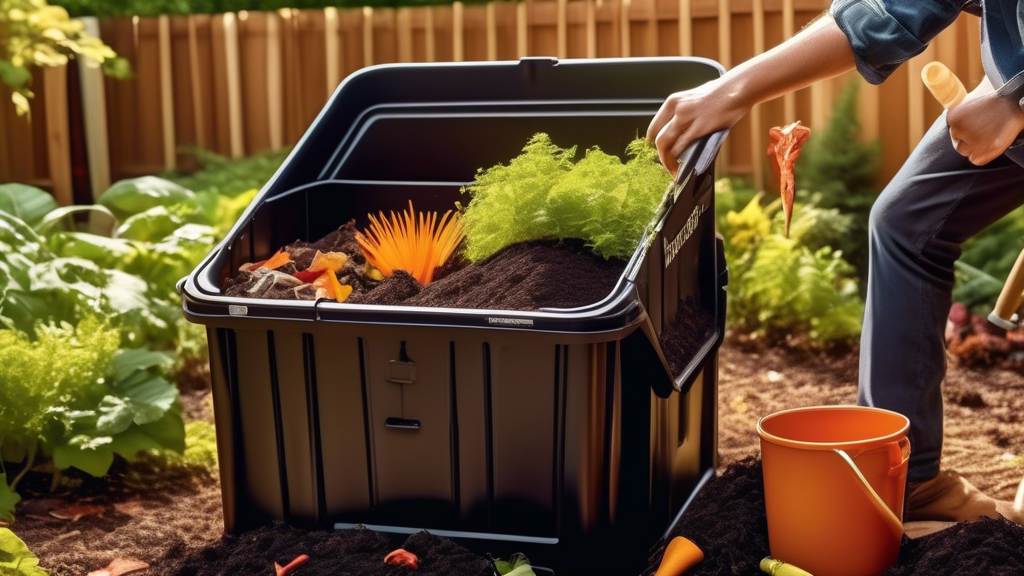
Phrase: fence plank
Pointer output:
(757, 146)
(94, 118)
(458, 50)
(685, 28)
(167, 94)
(916, 94)
(332, 54)
(368, 36)
(788, 30)
(563, 28)
(275, 93)
(403, 23)
(522, 28)
(429, 37)
(255, 53)
(58, 133)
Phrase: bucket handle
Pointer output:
(899, 454)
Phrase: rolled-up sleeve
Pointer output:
(886, 33)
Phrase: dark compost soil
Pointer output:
(357, 552)
(526, 276)
(727, 522)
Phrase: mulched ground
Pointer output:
(173, 520)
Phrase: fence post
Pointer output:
(58, 136)
(367, 36)
(167, 93)
(522, 28)
(457, 32)
(788, 30)
(94, 116)
(332, 53)
(275, 97)
(685, 28)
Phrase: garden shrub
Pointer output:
(986, 262)
(542, 193)
(842, 170)
(780, 286)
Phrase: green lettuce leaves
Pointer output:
(15, 557)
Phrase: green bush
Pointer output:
(542, 193)
(782, 286)
(842, 170)
(986, 262)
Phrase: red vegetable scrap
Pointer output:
(784, 146)
(403, 557)
(291, 566)
(75, 512)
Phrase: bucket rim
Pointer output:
(804, 445)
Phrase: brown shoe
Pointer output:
(950, 497)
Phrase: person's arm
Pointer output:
(985, 124)
(819, 51)
(875, 36)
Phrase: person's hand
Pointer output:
(984, 125)
(687, 116)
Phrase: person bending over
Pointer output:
(966, 173)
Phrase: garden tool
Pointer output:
(950, 91)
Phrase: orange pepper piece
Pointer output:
(334, 289)
(279, 259)
(333, 261)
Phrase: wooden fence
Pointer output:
(246, 82)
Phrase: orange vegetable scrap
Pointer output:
(291, 566)
(784, 146)
(402, 557)
(333, 261)
(279, 259)
(416, 243)
(680, 555)
(327, 286)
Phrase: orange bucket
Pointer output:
(834, 478)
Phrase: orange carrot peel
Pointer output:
(280, 258)
(784, 146)
(416, 243)
(291, 566)
(402, 557)
(680, 555)
(333, 261)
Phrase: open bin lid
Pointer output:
(437, 124)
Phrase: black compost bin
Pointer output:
(556, 432)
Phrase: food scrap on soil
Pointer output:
(417, 243)
(75, 512)
(784, 144)
(119, 567)
(402, 557)
(291, 566)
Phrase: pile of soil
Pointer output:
(975, 342)
(525, 276)
(358, 552)
(727, 522)
(279, 284)
(682, 339)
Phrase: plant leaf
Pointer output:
(28, 203)
(15, 557)
(131, 360)
(89, 454)
(130, 197)
(8, 500)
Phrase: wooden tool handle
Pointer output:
(943, 84)
(1010, 298)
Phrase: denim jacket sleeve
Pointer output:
(886, 33)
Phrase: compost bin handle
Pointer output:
(887, 515)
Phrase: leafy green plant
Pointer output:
(15, 557)
(35, 34)
(542, 193)
(986, 262)
(73, 395)
(200, 448)
(229, 177)
(798, 285)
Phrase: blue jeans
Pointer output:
(936, 202)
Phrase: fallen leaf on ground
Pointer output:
(75, 512)
(120, 566)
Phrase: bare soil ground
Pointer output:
(152, 516)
